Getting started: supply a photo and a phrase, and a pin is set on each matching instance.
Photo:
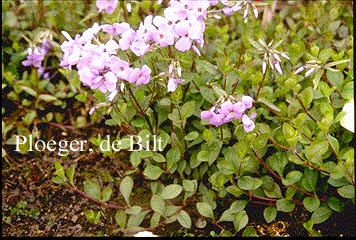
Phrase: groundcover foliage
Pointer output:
(210, 106)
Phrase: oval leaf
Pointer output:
(321, 215)
(184, 219)
(205, 209)
(92, 188)
(171, 191)
(126, 186)
(270, 213)
(152, 172)
(311, 204)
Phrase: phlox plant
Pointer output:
(220, 84)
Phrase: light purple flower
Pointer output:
(87, 76)
(147, 29)
(106, 5)
(140, 76)
(139, 47)
(126, 38)
(173, 84)
(183, 44)
(206, 115)
(111, 46)
(35, 57)
(164, 36)
(119, 67)
(106, 83)
(216, 120)
(247, 101)
(248, 124)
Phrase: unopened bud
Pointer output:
(300, 69)
(264, 66)
(278, 67)
(309, 72)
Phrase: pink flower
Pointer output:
(173, 84)
(140, 76)
(119, 67)
(248, 124)
(106, 5)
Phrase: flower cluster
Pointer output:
(97, 64)
(226, 110)
(36, 55)
(270, 54)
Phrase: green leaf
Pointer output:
(92, 188)
(321, 215)
(92, 216)
(158, 157)
(311, 203)
(240, 221)
(120, 218)
(227, 216)
(29, 117)
(316, 149)
(336, 78)
(270, 213)
(188, 109)
(155, 219)
(249, 183)
(290, 134)
(285, 205)
(136, 220)
(133, 210)
(184, 219)
(334, 143)
(269, 104)
(58, 180)
(278, 162)
(191, 136)
(157, 204)
(325, 54)
(226, 167)
(126, 187)
(190, 185)
(47, 97)
(348, 91)
(238, 206)
(275, 192)
(347, 191)
(306, 96)
(28, 90)
(234, 190)
(249, 232)
(292, 177)
(152, 172)
(218, 90)
(207, 66)
(331, 64)
(309, 179)
(336, 204)
(135, 159)
(70, 174)
(205, 210)
(106, 194)
(171, 191)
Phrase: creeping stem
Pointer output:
(259, 87)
